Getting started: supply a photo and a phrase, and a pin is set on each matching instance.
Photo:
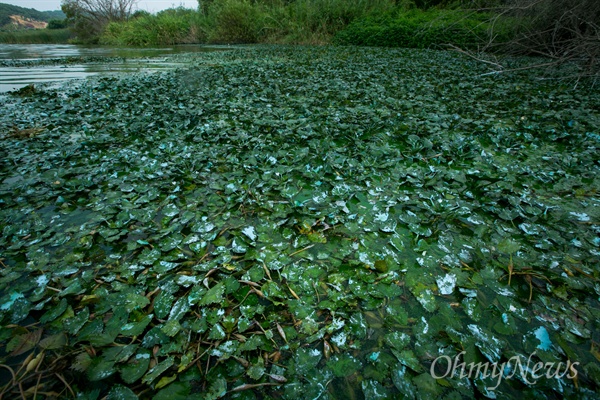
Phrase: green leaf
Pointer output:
(217, 332)
(119, 392)
(54, 342)
(180, 308)
(171, 328)
(136, 301)
(217, 389)
(307, 359)
(136, 367)
(158, 370)
(136, 328)
(427, 385)
(74, 324)
(54, 312)
(165, 380)
(174, 391)
(100, 368)
(397, 340)
(508, 246)
(214, 295)
(162, 304)
(343, 365)
(256, 371)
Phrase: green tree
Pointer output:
(57, 24)
(88, 18)
(203, 5)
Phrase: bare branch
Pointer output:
(561, 30)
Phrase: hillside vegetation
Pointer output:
(19, 25)
(8, 10)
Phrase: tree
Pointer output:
(88, 18)
(57, 24)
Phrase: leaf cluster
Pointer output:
(299, 222)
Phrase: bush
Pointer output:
(168, 27)
(235, 21)
(423, 29)
(31, 36)
(57, 24)
(281, 21)
(333, 15)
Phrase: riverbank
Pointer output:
(312, 22)
(301, 222)
(36, 36)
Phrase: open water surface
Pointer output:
(25, 64)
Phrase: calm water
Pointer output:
(135, 60)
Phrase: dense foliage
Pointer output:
(425, 29)
(29, 36)
(57, 24)
(373, 23)
(300, 223)
(244, 21)
(172, 26)
(88, 18)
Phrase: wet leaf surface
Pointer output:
(303, 223)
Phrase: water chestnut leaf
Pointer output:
(162, 304)
(159, 369)
(343, 365)
(136, 301)
(257, 370)
(100, 368)
(214, 295)
(508, 246)
(120, 392)
(340, 219)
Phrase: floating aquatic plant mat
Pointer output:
(303, 223)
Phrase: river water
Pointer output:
(14, 75)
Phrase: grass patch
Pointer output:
(425, 29)
(173, 26)
(35, 36)
(362, 22)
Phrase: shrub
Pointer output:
(165, 28)
(235, 21)
(57, 24)
(281, 21)
(30, 36)
(422, 29)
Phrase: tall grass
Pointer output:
(235, 21)
(433, 28)
(245, 21)
(358, 22)
(316, 21)
(35, 36)
(165, 28)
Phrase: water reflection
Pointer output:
(134, 60)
